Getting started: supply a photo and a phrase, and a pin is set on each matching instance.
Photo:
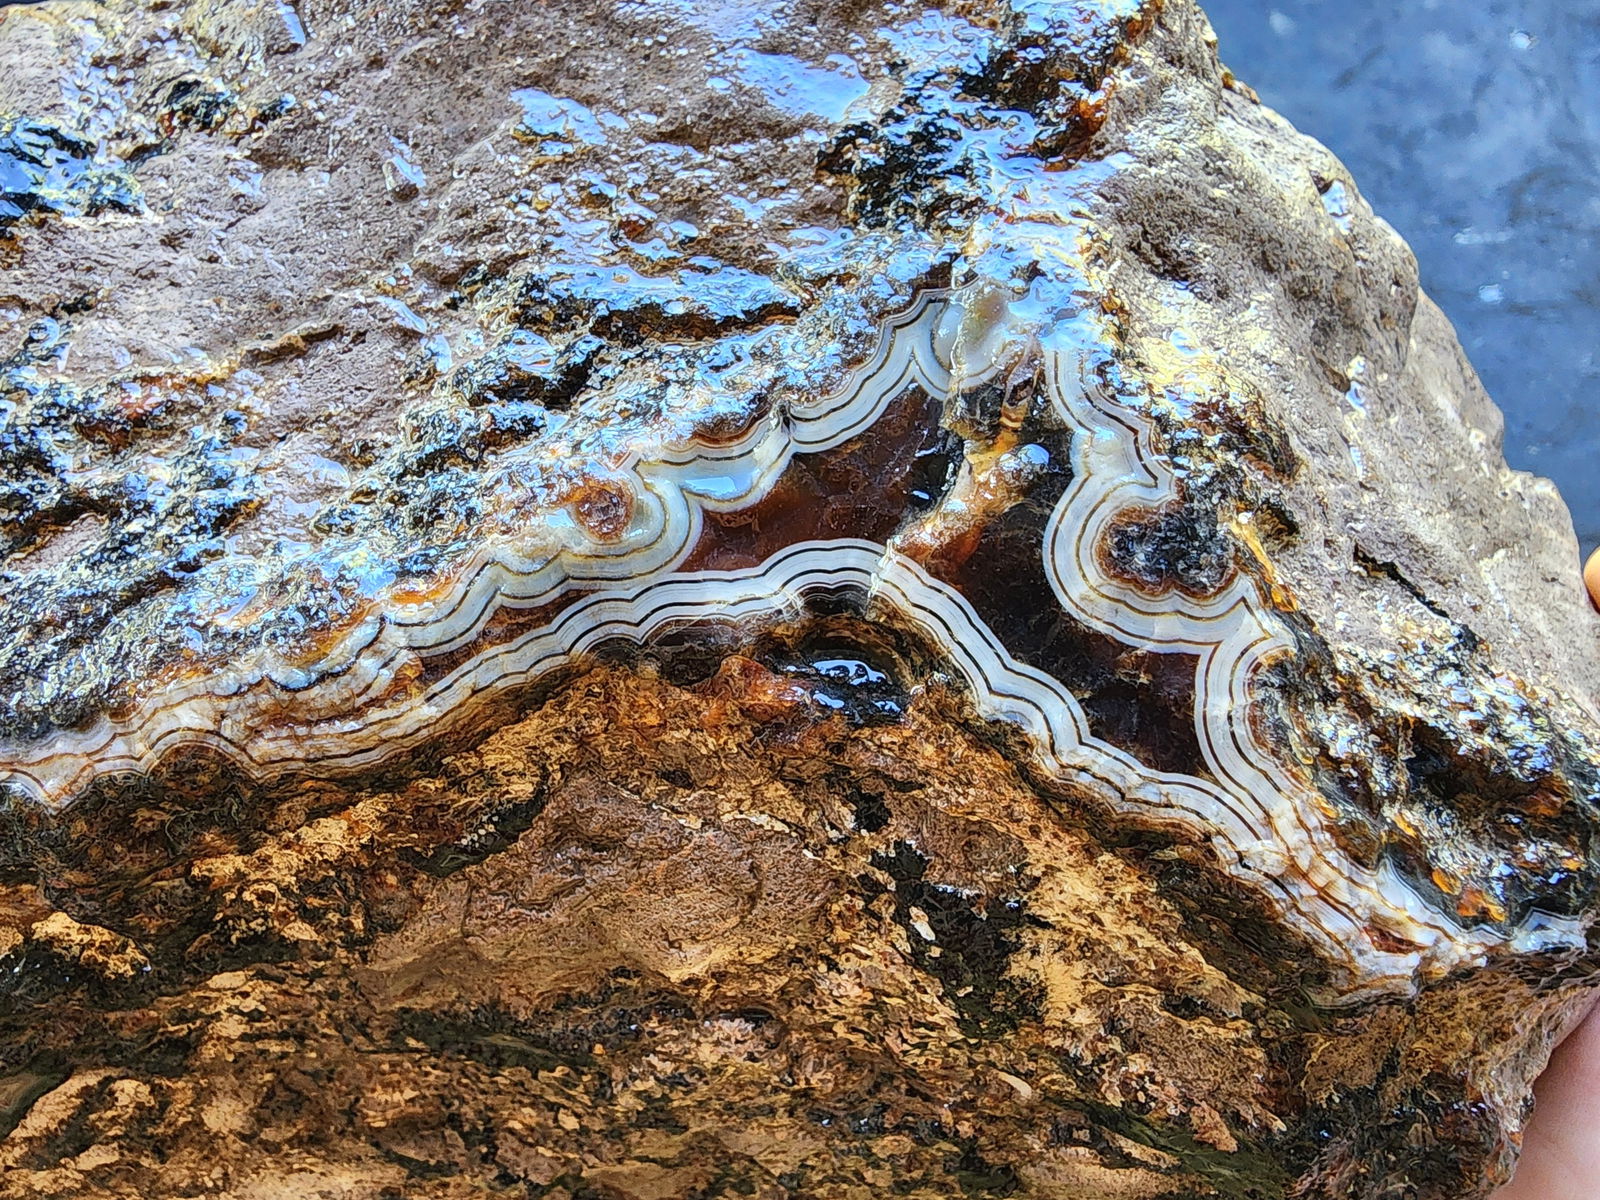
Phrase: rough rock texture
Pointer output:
(800, 600)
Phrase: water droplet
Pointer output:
(1336, 200)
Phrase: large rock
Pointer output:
(692, 600)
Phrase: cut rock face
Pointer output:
(779, 601)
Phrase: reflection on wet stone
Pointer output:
(761, 605)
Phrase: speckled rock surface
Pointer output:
(701, 600)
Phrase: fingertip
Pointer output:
(1560, 1157)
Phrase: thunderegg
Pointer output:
(363, 698)
(779, 600)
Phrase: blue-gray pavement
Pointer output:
(1474, 129)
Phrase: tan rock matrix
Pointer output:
(685, 599)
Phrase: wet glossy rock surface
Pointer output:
(688, 600)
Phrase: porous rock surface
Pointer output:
(783, 600)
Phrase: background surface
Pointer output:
(1473, 129)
